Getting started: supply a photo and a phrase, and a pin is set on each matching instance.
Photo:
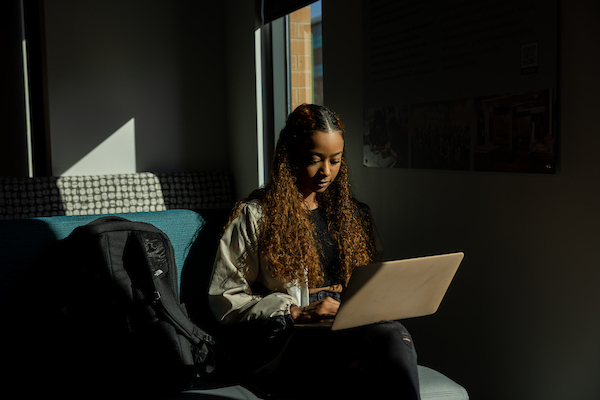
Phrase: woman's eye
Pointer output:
(333, 162)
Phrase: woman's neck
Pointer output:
(310, 201)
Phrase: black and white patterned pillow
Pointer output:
(25, 198)
(196, 190)
(110, 194)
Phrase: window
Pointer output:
(306, 55)
(289, 67)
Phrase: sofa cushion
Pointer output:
(23, 241)
(23, 283)
(434, 386)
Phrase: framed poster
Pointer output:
(460, 85)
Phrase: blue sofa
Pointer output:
(194, 235)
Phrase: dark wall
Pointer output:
(13, 147)
(159, 63)
(520, 320)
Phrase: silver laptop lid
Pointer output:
(394, 290)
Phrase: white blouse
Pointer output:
(230, 295)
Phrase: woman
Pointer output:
(288, 251)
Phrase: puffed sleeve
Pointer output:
(237, 269)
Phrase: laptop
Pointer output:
(393, 290)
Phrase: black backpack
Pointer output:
(117, 323)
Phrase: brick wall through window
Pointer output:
(301, 62)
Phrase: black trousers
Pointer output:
(370, 361)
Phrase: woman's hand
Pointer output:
(317, 311)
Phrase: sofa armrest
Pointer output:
(435, 385)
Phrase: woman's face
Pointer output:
(320, 162)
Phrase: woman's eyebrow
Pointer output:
(316, 153)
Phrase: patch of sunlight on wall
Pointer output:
(116, 155)
(27, 107)
(259, 107)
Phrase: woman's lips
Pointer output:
(322, 183)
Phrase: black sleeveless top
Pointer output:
(329, 255)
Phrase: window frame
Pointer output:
(272, 70)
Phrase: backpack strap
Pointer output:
(154, 248)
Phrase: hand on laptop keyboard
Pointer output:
(317, 311)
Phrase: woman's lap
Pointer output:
(375, 358)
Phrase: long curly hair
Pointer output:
(287, 239)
